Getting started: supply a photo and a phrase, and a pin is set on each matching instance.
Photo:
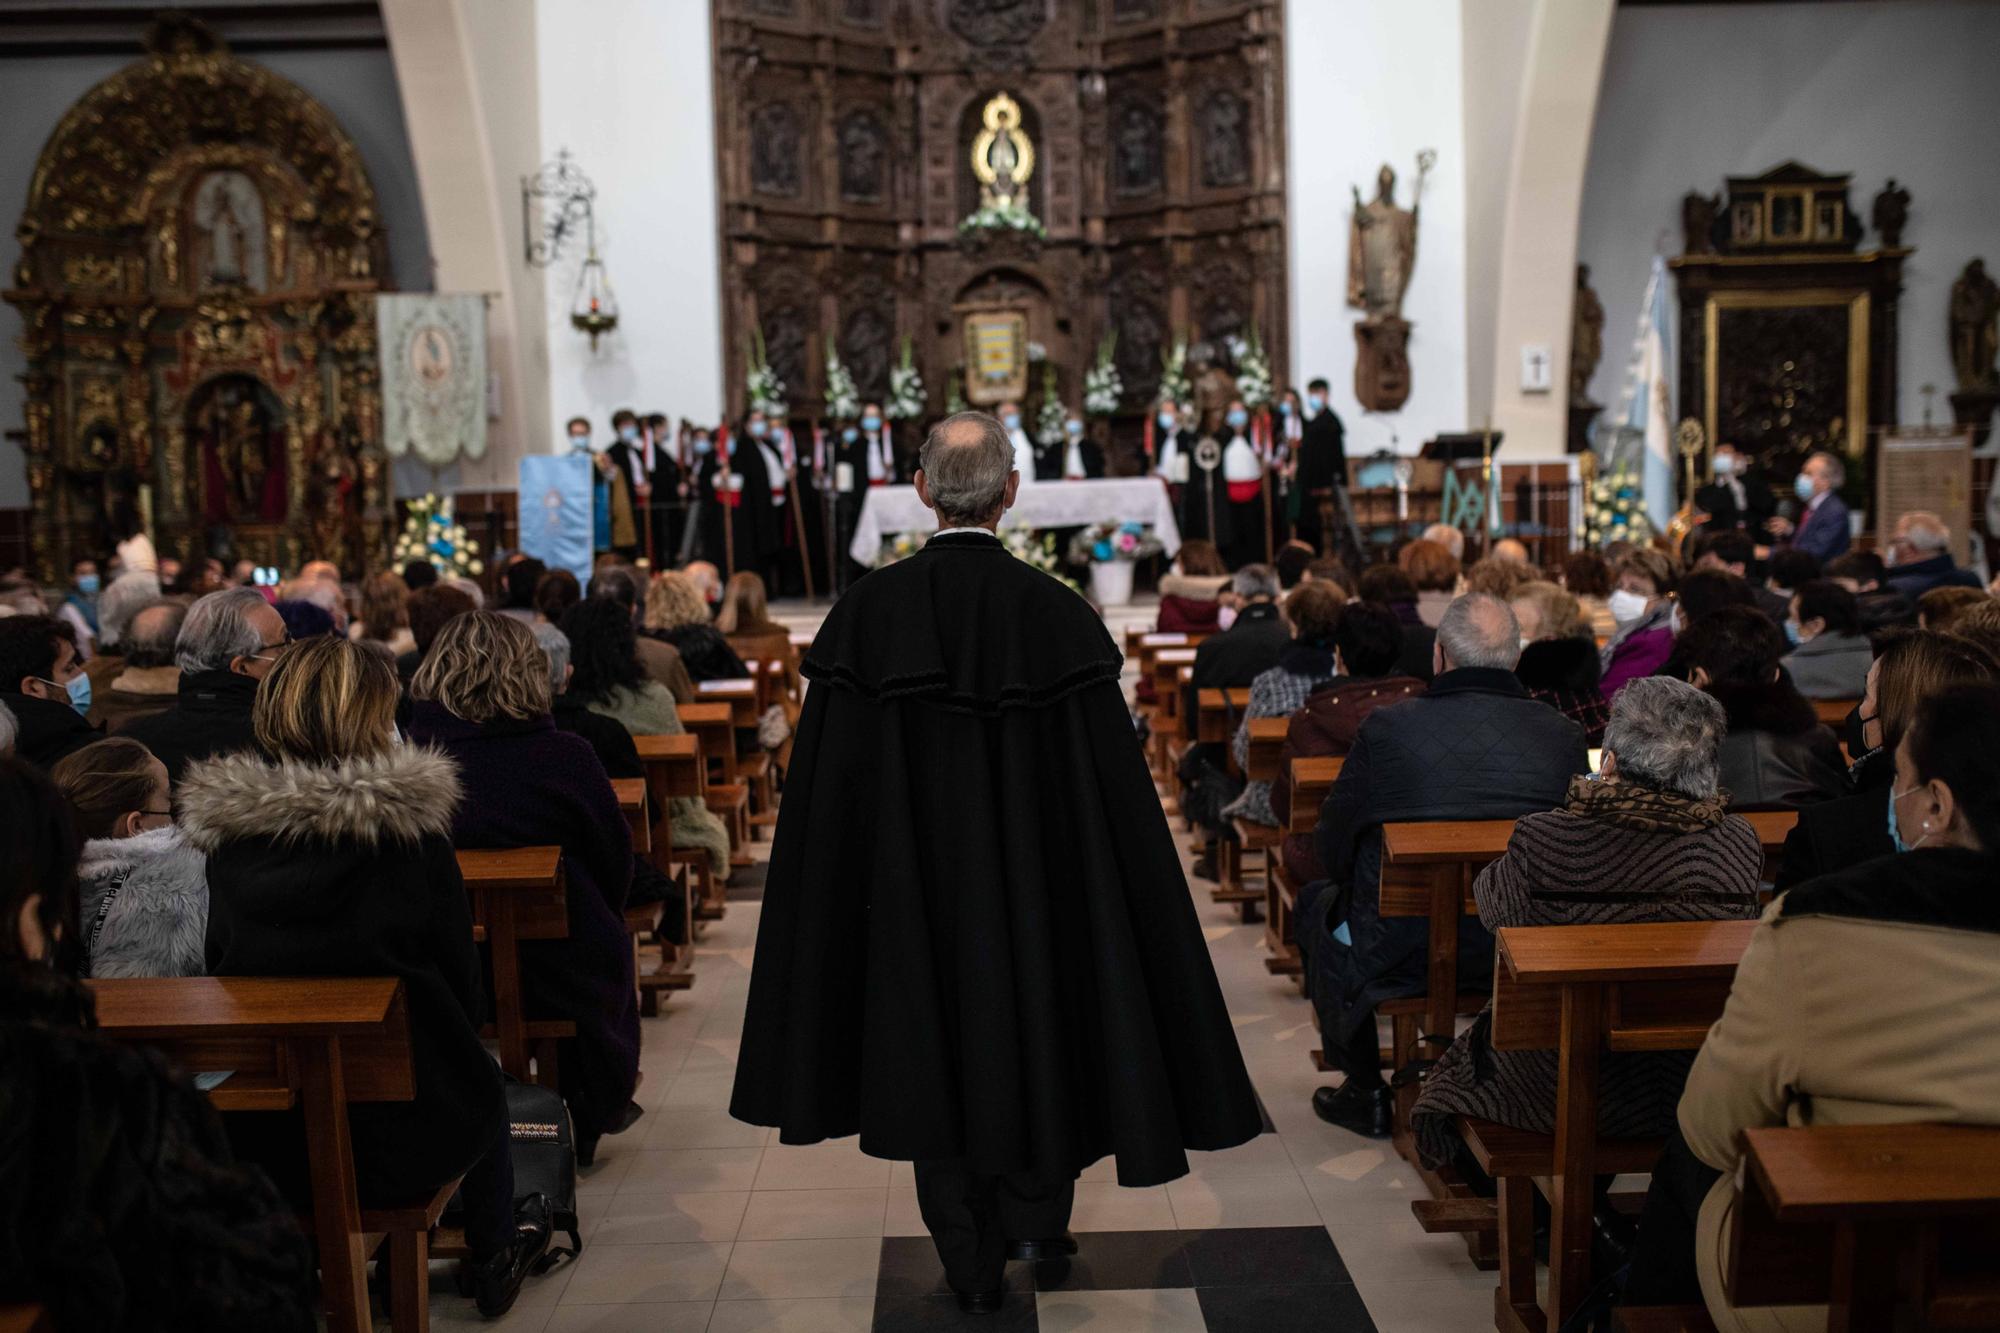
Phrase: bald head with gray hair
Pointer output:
(555, 646)
(965, 463)
(1255, 581)
(1479, 630)
(128, 594)
(1666, 734)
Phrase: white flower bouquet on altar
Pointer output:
(843, 400)
(1174, 386)
(906, 388)
(1036, 549)
(901, 547)
(432, 532)
(1616, 511)
(996, 218)
(762, 387)
(1049, 420)
(1102, 387)
(1253, 371)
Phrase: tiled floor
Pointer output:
(694, 1222)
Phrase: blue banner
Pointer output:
(555, 512)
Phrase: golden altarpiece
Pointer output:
(200, 254)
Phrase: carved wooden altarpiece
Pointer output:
(844, 130)
(1788, 327)
(199, 257)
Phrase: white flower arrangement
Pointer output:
(843, 400)
(1174, 386)
(906, 388)
(900, 547)
(1037, 550)
(1253, 371)
(432, 532)
(761, 385)
(1049, 421)
(1617, 509)
(1102, 386)
(1012, 216)
(954, 392)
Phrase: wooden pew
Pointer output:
(1833, 712)
(1166, 666)
(714, 722)
(1875, 1221)
(317, 1044)
(743, 699)
(631, 793)
(1312, 778)
(1267, 740)
(674, 770)
(1581, 991)
(1217, 714)
(517, 894)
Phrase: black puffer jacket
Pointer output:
(1474, 747)
(1563, 673)
(121, 1205)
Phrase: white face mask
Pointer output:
(1627, 607)
(1225, 617)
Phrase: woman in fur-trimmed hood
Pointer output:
(335, 859)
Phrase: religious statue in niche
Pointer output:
(1225, 140)
(1975, 341)
(1381, 254)
(1136, 151)
(242, 452)
(227, 217)
(1586, 345)
(864, 148)
(1002, 156)
(1698, 214)
(774, 150)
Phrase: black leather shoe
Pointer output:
(1038, 1251)
(586, 1144)
(1360, 1110)
(979, 1302)
(496, 1282)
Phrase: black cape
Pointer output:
(976, 940)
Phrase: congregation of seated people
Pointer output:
(1625, 709)
(213, 777)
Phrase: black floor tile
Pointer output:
(1263, 1256)
(940, 1314)
(1120, 1261)
(910, 1267)
(1288, 1309)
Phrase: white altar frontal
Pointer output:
(889, 510)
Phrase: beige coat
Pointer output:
(1843, 1019)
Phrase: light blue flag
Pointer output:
(1650, 402)
(555, 512)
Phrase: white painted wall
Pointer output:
(1368, 82)
(357, 86)
(1498, 30)
(626, 88)
(1692, 94)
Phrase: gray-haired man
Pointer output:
(977, 949)
(227, 643)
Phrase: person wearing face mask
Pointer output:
(1642, 604)
(1777, 756)
(864, 456)
(1868, 996)
(145, 891)
(1915, 665)
(43, 683)
(1830, 655)
(1082, 458)
(1822, 529)
(227, 644)
(1170, 447)
(1739, 496)
(697, 444)
(1322, 464)
(1191, 463)
(581, 445)
(665, 488)
(622, 467)
(738, 527)
(1288, 425)
(1017, 435)
(1243, 478)
(79, 608)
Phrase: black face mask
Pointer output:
(1854, 728)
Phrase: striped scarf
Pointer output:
(1648, 809)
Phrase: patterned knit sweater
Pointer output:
(1566, 868)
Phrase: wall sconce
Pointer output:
(566, 199)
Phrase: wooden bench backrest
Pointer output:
(1667, 982)
(1312, 778)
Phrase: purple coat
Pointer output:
(529, 785)
(1639, 654)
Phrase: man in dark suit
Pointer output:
(1740, 496)
(1822, 529)
(1322, 462)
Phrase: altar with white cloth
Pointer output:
(889, 510)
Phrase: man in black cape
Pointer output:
(977, 948)
(1322, 465)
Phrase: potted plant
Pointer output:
(1111, 549)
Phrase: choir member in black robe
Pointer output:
(622, 467)
(1192, 464)
(864, 455)
(977, 948)
(666, 494)
(744, 503)
(1322, 462)
(1076, 457)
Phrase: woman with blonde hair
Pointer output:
(745, 622)
(385, 617)
(330, 854)
(1559, 662)
(482, 698)
(676, 614)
